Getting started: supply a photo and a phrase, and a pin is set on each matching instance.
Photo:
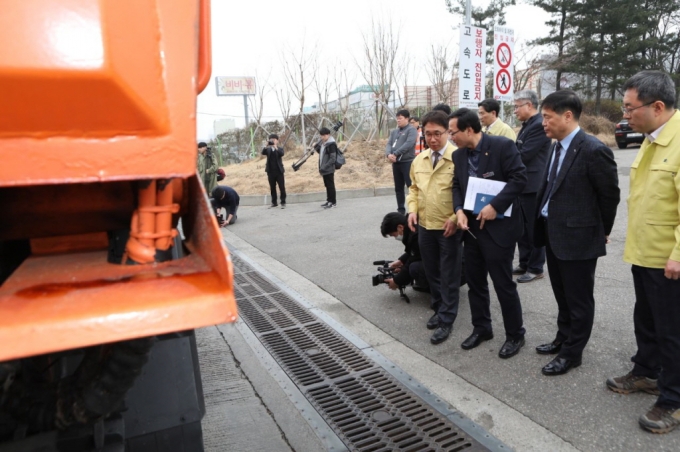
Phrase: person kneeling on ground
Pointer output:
(408, 268)
(227, 198)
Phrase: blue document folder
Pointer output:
(482, 200)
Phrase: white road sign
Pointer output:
(503, 64)
(472, 68)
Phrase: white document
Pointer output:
(485, 186)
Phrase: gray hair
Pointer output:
(528, 94)
(652, 86)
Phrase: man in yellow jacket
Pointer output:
(430, 207)
(489, 110)
(653, 248)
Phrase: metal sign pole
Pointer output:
(245, 107)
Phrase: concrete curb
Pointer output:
(295, 198)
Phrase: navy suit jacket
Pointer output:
(534, 147)
(583, 205)
(498, 160)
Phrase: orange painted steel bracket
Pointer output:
(64, 301)
(97, 91)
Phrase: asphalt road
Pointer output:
(334, 249)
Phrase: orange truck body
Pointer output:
(99, 96)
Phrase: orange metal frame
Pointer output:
(99, 108)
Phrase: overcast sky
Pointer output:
(252, 37)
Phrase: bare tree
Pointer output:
(526, 67)
(380, 66)
(323, 87)
(262, 88)
(441, 71)
(343, 83)
(284, 101)
(297, 66)
(408, 75)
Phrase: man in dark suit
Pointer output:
(574, 216)
(491, 237)
(274, 169)
(534, 146)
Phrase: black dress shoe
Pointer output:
(511, 348)
(549, 349)
(559, 366)
(519, 270)
(475, 339)
(433, 323)
(441, 334)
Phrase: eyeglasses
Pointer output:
(628, 110)
(517, 107)
(434, 134)
(452, 132)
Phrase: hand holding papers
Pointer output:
(480, 192)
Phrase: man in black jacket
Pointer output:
(328, 152)
(490, 238)
(574, 216)
(409, 264)
(533, 145)
(274, 169)
(223, 197)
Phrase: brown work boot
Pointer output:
(631, 383)
(660, 420)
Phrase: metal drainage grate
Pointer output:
(368, 408)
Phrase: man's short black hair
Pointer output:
(390, 223)
(467, 118)
(490, 105)
(652, 86)
(436, 117)
(273, 136)
(405, 113)
(217, 193)
(202, 145)
(324, 131)
(563, 100)
(415, 118)
(442, 107)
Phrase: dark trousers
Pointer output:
(274, 179)
(657, 331)
(329, 183)
(573, 283)
(413, 273)
(401, 173)
(485, 257)
(442, 262)
(531, 258)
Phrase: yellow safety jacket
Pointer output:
(431, 192)
(501, 129)
(654, 201)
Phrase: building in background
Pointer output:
(223, 125)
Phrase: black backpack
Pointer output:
(339, 159)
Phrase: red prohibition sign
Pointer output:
(503, 81)
(503, 51)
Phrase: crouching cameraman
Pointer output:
(223, 197)
(408, 268)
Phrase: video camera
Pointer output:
(385, 272)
